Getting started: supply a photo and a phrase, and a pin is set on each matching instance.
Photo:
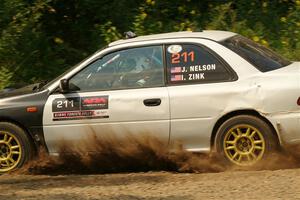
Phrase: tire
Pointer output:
(15, 147)
(245, 140)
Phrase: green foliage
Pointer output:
(41, 38)
(5, 76)
(109, 32)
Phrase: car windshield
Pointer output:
(261, 57)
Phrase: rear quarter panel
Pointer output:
(280, 92)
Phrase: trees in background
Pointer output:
(41, 38)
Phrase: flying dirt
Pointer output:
(99, 155)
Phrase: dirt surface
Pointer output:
(72, 176)
(278, 184)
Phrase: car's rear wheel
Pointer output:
(15, 147)
(245, 140)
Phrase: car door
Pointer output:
(119, 94)
(199, 85)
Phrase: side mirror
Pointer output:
(64, 86)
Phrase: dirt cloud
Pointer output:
(98, 155)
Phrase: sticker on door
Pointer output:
(76, 108)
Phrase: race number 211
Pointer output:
(65, 104)
(183, 57)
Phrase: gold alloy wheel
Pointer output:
(10, 151)
(244, 145)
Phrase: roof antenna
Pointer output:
(129, 34)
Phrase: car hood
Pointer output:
(21, 91)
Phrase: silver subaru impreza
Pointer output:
(210, 90)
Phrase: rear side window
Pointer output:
(261, 57)
(188, 63)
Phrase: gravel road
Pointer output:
(278, 184)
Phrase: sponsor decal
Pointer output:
(77, 115)
(77, 108)
(174, 49)
(94, 103)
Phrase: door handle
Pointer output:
(152, 102)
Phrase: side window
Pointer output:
(130, 68)
(189, 63)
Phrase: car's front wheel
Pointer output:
(245, 140)
(15, 147)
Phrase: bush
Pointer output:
(40, 39)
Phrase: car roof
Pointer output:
(212, 35)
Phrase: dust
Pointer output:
(287, 158)
(99, 155)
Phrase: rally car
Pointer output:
(214, 91)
